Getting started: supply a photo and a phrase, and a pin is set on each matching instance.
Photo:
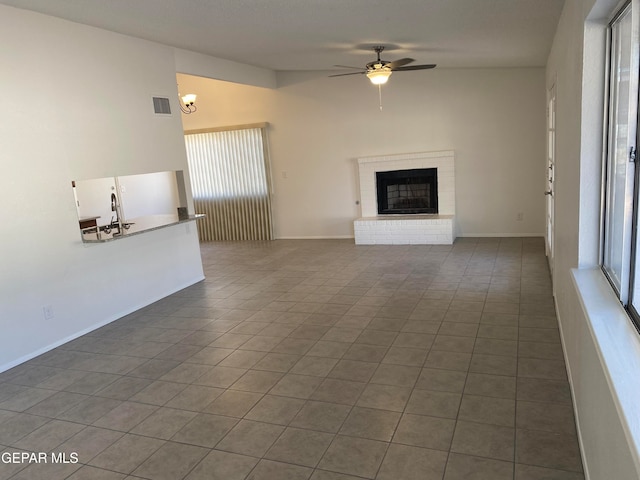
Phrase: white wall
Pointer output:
(149, 194)
(492, 118)
(79, 106)
(220, 69)
(576, 66)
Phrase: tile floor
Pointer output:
(315, 360)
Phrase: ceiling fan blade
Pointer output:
(347, 66)
(399, 63)
(414, 67)
(350, 73)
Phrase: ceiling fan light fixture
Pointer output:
(379, 76)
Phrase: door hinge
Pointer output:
(632, 154)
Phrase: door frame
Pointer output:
(550, 176)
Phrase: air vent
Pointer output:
(161, 106)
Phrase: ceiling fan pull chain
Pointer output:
(380, 96)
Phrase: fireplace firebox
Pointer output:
(407, 191)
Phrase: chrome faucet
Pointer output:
(115, 208)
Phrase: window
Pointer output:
(620, 244)
(230, 179)
(227, 164)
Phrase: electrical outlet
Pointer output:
(48, 312)
(520, 217)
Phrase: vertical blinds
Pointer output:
(230, 179)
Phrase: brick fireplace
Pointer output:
(374, 228)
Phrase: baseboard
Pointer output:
(480, 235)
(500, 235)
(108, 320)
(313, 237)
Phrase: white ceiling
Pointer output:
(317, 34)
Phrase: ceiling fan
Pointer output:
(380, 70)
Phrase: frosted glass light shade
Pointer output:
(189, 99)
(379, 77)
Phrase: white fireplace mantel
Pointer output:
(426, 229)
(443, 161)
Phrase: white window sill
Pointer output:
(618, 345)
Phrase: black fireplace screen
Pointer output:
(408, 191)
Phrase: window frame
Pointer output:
(630, 268)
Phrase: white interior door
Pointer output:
(550, 190)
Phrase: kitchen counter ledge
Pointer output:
(137, 226)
